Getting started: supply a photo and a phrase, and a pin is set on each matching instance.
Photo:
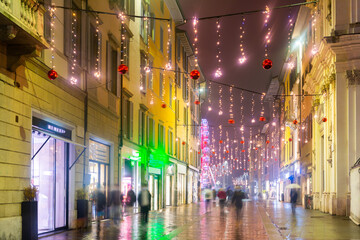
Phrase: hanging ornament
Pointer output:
(267, 64)
(295, 122)
(262, 119)
(221, 141)
(267, 141)
(243, 150)
(183, 143)
(273, 147)
(242, 142)
(163, 105)
(231, 121)
(290, 139)
(195, 74)
(197, 102)
(123, 69)
(52, 74)
(324, 119)
(227, 151)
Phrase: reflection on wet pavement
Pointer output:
(259, 220)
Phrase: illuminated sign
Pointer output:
(51, 128)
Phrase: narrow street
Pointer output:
(260, 220)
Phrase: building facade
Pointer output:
(92, 127)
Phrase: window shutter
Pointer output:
(131, 117)
(108, 66)
(67, 28)
(47, 21)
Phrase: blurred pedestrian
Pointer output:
(144, 200)
(222, 198)
(214, 194)
(100, 204)
(130, 200)
(229, 194)
(207, 195)
(293, 199)
(237, 201)
(116, 199)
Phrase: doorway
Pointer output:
(50, 176)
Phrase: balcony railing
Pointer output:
(22, 28)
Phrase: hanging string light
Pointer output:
(209, 97)
(52, 74)
(252, 108)
(168, 65)
(267, 63)
(231, 117)
(97, 62)
(195, 43)
(242, 57)
(220, 101)
(73, 79)
(218, 72)
(262, 118)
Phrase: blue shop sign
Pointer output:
(51, 128)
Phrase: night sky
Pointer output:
(249, 75)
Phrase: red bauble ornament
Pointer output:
(243, 150)
(213, 152)
(231, 121)
(275, 159)
(324, 119)
(290, 139)
(227, 151)
(197, 102)
(272, 147)
(256, 148)
(195, 74)
(242, 142)
(205, 142)
(267, 64)
(221, 141)
(123, 69)
(267, 142)
(262, 119)
(183, 143)
(235, 159)
(295, 122)
(52, 74)
(199, 152)
(163, 105)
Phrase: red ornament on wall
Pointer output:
(163, 105)
(52, 74)
(195, 74)
(197, 102)
(231, 121)
(242, 142)
(267, 64)
(272, 146)
(123, 69)
(267, 141)
(295, 122)
(213, 152)
(227, 151)
(324, 119)
(290, 139)
(199, 152)
(262, 119)
(221, 141)
(243, 150)
(236, 159)
(183, 143)
(256, 148)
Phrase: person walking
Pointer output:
(130, 200)
(116, 199)
(214, 194)
(222, 198)
(237, 201)
(144, 200)
(208, 195)
(229, 194)
(100, 204)
(293, 199)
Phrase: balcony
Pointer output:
(21, 30)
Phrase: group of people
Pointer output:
(117, 201)
(229, 196)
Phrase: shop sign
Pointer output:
(51, 128)
(154, 170)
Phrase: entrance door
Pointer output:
(49, 175)
(99, 179)
(168, 190)
(154, 191)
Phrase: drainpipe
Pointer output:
(85, 114)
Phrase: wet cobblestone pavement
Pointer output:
(259, 220)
